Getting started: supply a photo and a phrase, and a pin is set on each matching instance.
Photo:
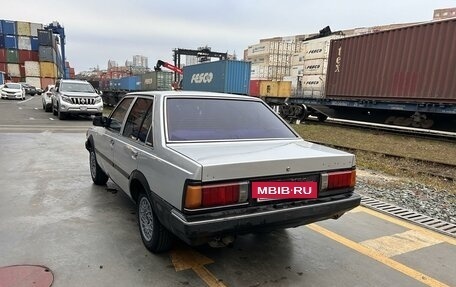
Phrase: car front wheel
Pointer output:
(154, 235)
(99, 177)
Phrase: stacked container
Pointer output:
(308, 67)
(28, 53)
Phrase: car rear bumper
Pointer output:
(196, 230)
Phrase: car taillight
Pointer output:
(338, 179)
(212, 195)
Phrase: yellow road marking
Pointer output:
(378, 257)
(184, 258)
(409, 225)
(400, 243)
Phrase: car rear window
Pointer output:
(203, 119)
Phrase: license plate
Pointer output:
(275, 190)
(83, 108)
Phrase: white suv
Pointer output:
(76, 97)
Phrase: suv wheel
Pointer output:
(61, 115)
(154, 235)
(99, 177)
(54, 111)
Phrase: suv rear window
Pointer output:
(202, 119)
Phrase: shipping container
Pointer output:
(2, 41)
(2, 77)
(48, 70)
(45, 38)
(26, 55)
(13, 70)
(156, 81)
(254, 89)
(275, 89)
(313, 86)
(132, 83)
(3, 56)
(47, 81)
(8, 27)
(34, 81)
(15, 79)
(34, 44)
(3, 68)
(315, 67)
(227, 76)
(34, 27)
(22, 71)
(414, 63)
(297, 59)
(10, 42)
(259, 72)
(24, 43)
(47, 54)
(297, 71)
(1, 27)
(32, 69)
(23, 28)
(12, 56)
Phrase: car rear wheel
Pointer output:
(154, 235)
(47, 108)
(99, 177)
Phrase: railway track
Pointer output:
(416, 132)
(436, 169)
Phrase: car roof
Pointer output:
(72, 81)
(198, 94)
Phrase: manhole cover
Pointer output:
(26, 275)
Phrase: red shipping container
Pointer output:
(415, 64)
(26, 55)
(3, 67)
(255, 88)
(22, 70)
(47, 81)
(3, 55)
(15, 80)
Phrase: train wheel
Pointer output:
(426, 124)
(322, 118)
(399, 121)
(407, 122)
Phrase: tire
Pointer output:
(322, 117)
(54, 111)
(48, 108)
(61, 115)
(155, 236)
(44, 106)
(99, 177)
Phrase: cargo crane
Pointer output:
(173, 68)
(56, 28)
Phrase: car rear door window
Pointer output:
(117, 117)
(139, 120)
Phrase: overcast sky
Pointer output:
(99, 30)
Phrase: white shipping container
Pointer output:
(258, 49)
(297, 71)
(258, 72)
(318, 48)
(298, 59)
(24, 43)
(34, 81)
(313, 85)
(34, 27)
(13, 70)
(32, 68)
(315, 67)
(293, 80)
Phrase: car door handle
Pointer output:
(134, 154)
(112, 142)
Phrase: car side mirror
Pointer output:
(100, 121)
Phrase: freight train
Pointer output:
(403, 76)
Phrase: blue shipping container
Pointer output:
(35, 44)
(2, 41)
(130, 83)
(9, 27)
(10, 42)
(227, 76)
(1, 26)
(115, 84)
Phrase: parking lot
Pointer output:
(52, 215)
